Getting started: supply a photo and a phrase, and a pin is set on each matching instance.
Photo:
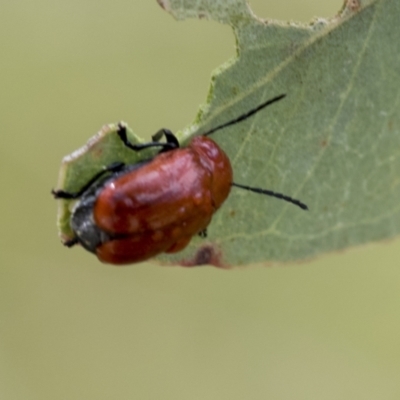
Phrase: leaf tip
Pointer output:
(165, 4)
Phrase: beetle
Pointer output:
(128, 213)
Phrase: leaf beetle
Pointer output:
(130, 213)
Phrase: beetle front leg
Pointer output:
(61, 194)
(71, 242)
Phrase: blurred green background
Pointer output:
(72, 328)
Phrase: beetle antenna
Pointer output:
(246, 115)
(273, 194)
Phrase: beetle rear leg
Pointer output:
(273, 194)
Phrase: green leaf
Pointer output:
(333, 142)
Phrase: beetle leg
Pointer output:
(245, 115)
(203, 233)
(273, 194)
(71, 242)
(169, 137)
(61, 194)
(170, 144)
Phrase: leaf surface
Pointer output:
(333, 142)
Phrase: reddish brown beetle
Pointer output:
(130, 213)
